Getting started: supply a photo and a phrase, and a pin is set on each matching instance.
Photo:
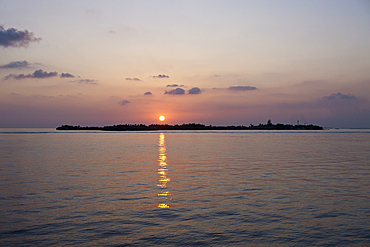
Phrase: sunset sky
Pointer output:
(212, 62)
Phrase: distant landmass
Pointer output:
(192, 126)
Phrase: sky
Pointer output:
(215, 62)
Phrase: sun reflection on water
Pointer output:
(163, 171)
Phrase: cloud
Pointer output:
(132, 79)
(18, 77)
(66, 75)
(339, 96)
(124, 102)
(87, 81)
(242, 88)
(195, 90)
(16, 64)
(13, 37)
(174, 85)
(148, 93)
(175, 91)
(345, 110)
(43, 74)
(160, 76)
(39, 74)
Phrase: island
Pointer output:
(192, 126)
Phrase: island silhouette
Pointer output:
(192, 126)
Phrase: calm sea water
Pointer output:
(250, 188)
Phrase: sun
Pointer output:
(162, 118)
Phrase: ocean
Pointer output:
(184, 188)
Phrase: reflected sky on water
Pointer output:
(177, 188)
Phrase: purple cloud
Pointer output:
(17, 64)
(132, 79)
(174, 85)
(338, 96)
(43, 74)
(18, 77)
(124, 102)
(175, 91)
(66, 75)
(148, 93)
(195, 90)
(242, 88)
(16, 38)
(160, 76)
(39, 74)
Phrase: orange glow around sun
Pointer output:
(162, 118)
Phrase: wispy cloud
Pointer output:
(16, 64)
(340, 96)
(66, 75)
(39, 74)
(87, 81)
(124, 102)
(148, 93)
(160, 76)
(16, 38)
(132, 79)
(174, 85)
(242, 88)
(195, 90)
(175, 91)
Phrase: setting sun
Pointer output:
(162, 118)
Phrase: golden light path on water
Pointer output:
(163, 171)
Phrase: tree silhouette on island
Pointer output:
(192, 126)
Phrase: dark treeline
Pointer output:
(192, 126)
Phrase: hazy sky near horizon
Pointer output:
(213, 62)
